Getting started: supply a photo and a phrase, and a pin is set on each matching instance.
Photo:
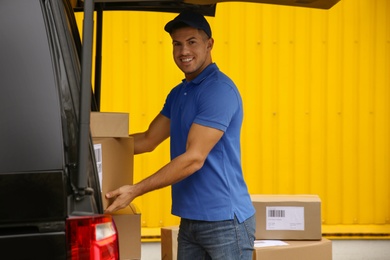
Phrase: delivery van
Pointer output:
(50, 197)
(48, 208)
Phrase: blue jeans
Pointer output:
(219, 240)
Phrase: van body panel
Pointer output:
(40, 73)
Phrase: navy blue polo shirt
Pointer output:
(217, 191)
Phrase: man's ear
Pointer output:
(210, 43)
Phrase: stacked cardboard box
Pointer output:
(295, 222)
(169, 242)
(114, 159)
(114, 153)
(128, 224)
(274, 249)
(288, 217)
(296, 250)
(287, 227)
(109, 124)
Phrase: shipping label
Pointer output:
(285, 218)
(98, 157)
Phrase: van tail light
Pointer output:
(92, 238)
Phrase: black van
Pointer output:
(48, 209)
(50, 198)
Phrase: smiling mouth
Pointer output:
(186, 59)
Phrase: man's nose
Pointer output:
(185, 49)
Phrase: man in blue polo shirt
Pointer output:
(203, 117)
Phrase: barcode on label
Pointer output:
(274, 213)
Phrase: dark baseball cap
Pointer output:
(191, 19)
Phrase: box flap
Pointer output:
(109, 124)
(286, 198)
(132, 209)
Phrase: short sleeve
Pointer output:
(217, 105)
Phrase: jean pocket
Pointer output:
(250, 227)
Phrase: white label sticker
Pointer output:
(98, 157)
(267, 243)
(285, 218)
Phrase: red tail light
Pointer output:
(92, 238)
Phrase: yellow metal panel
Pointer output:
(349, 115)
(381, 113)
(316, 97)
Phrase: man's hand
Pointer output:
(123, 196)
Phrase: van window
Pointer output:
(30, 132)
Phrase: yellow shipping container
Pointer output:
(316, 91)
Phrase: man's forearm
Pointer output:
(173, 172)
(139, 143)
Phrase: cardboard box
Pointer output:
(293, 250)
(296, 250)
(128, 224)
(114, 153)
(288, 217)
(107, 124)
(169, 242)
(115, 163)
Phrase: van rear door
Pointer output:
(39, 104)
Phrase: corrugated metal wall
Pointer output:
(316, 91)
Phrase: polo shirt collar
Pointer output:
(203, 75)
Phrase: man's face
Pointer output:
(191, 50)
